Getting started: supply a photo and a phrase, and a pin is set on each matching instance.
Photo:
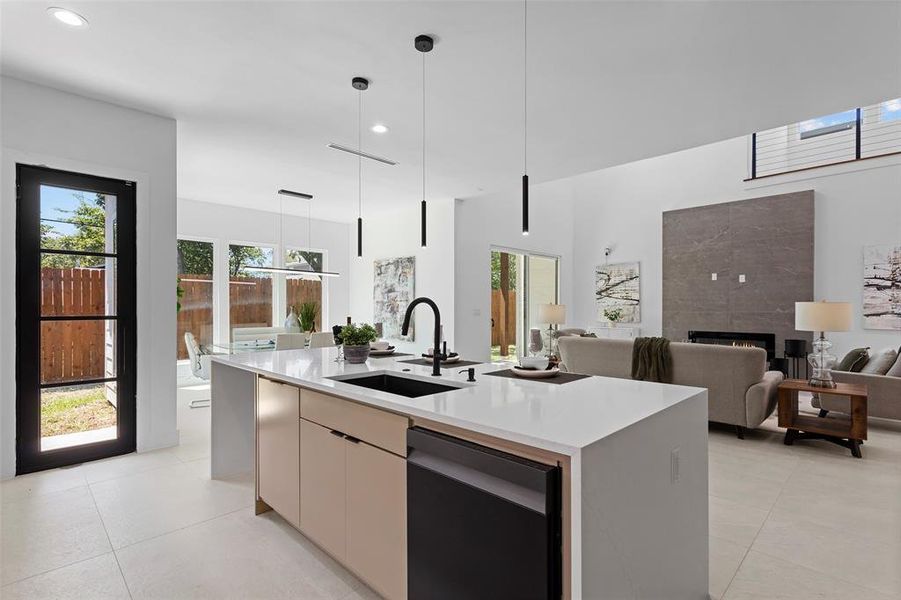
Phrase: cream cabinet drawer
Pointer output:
(377, 427)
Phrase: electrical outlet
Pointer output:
(674, 465)
(741, 278)
(713, 277)
(477, 312)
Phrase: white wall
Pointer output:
(395, 234)
(494, 221)
(41, 125)
(223, 225)
(856, 205)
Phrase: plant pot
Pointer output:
(356, 354)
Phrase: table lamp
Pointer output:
(822, 316)
(553, 315)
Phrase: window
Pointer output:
(195, 294)
(302, 290)
(828, 124)
(249, 292)
(845, 136)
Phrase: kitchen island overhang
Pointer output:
(633, 455)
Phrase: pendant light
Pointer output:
(360, 84)
(301, 272)
(525, 117)
(424, 44)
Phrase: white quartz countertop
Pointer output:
(558, 418)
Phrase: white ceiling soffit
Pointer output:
(260, 88)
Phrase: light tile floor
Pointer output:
(806, 521)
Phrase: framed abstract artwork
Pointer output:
(394, 287)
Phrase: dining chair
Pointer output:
(200, 366)
(322, 339)
(290, 341)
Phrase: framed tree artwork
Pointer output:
(882, 287)
(618, 292)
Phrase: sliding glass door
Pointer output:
(520, 283)
(75, 318)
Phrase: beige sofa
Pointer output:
(740, 391)
(883, 395)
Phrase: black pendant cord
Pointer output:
(423, 43)
(360, 176)
(423, 225)
(525, 117)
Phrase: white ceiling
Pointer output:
(259, 88)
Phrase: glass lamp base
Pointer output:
(822, 363)
(822, 383)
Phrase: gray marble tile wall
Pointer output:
(769, 240)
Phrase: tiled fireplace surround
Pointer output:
(769, 241)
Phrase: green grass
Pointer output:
(73, 410)
(496, 353)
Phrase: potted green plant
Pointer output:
(307, 313)
(613, 315)
(356, 339)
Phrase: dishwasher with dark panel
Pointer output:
(480, 523)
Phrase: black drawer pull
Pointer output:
(334, 432)
(351, 438)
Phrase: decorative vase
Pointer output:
(356, 354)
(292, 323)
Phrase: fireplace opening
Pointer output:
(767, 341)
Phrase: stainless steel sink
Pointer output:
(396, 384)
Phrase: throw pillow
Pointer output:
(854, 361)
(895, 371)
(880, 363)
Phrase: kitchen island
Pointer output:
(332, 453)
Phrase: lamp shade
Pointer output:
(552, 314)
(823, 316)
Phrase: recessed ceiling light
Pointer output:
(66, 16)
(379, 128)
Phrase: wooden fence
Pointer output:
(72, 350)
(250, 305)
(196, 314)
(502, 314)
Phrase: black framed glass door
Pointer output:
(75, 318)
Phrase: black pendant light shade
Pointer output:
(423, 228)
(525, 205)
(424, 44)
(360, 84)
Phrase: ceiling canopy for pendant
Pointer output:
(301, 269)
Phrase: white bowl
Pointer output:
(534, 362)
(379, 345)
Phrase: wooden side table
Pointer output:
(847, 432)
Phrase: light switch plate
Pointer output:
(741, 278)
(713, 277)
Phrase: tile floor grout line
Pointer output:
(759, 529)
(159, 535)
(110, 542)
(79, 561)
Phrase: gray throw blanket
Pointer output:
(651, 360)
